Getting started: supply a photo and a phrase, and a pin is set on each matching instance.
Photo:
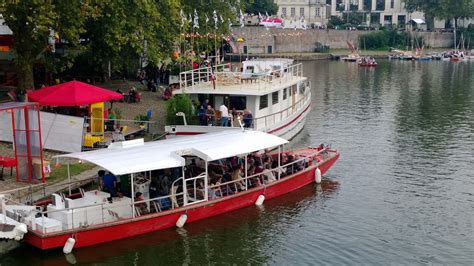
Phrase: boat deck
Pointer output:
(221, 80)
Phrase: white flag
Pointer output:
(196, 20)
(207, 19)
(183, 18)
(230, 25)
(241, 19)
(216, 20)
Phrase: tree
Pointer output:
(33, 21)
(261, 6)
(129, 29)
(442, 9)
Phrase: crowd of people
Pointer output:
(225, 177)
(225, 118)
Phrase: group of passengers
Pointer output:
(207, 115)
(225, 177)
(261, 168)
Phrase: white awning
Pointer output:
(168, 153)
(418, 21)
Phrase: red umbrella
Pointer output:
(72, 93)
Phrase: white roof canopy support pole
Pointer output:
(69, 178)
(245, 173)
(206, 177)
(133, 195)
(185, 191)
(279, 161)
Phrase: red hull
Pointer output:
(167, 219)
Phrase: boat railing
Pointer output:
(271, 119)
(223, 75)
(34, 193)
(100, 213)
(255, 180)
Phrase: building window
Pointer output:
(283, 11)
(380, 5)
(318, 12)
(293, 12)
(302, 12)
(275, 97)
(285, 91)
(263, 101)
(392, 4)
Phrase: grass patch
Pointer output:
(60, 173)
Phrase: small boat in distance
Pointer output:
(353, 56)
(367, 62)
(163, 184)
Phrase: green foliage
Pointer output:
(335, 21)
(442, 9)
(31, 22)
(178, 103)
(116, 32)
(385, 39)
(262, 6)
(141, 118)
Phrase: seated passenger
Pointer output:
(268, 174)
(140, 206)
(237, 176)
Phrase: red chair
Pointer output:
(7, 162)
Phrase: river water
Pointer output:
(401, 193)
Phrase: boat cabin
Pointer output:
(272, 91)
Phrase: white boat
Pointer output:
(273, 91)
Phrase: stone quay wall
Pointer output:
(260, 40)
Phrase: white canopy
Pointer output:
(127, 159)
(418, 21)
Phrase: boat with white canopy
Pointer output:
(194, 177)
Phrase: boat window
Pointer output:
(275, 97)
(263, 101)
(238, 102)
(285, 91)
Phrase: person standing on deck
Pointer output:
(224, 115)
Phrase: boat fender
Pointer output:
(20, 230)
(69, 245)
(260, 200)
(182, 220)
(317, 176)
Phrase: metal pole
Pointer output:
(205, 183)
(133, 195)
(279, 162)
(185, 198)
(69, 178)
(246, 180)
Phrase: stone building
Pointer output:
(315, 12)
(381, 12)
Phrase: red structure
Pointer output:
(26, 130)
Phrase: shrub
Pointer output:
(178, 103)
(387, 38)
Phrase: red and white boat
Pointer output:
(274, 91)
(199, 190)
